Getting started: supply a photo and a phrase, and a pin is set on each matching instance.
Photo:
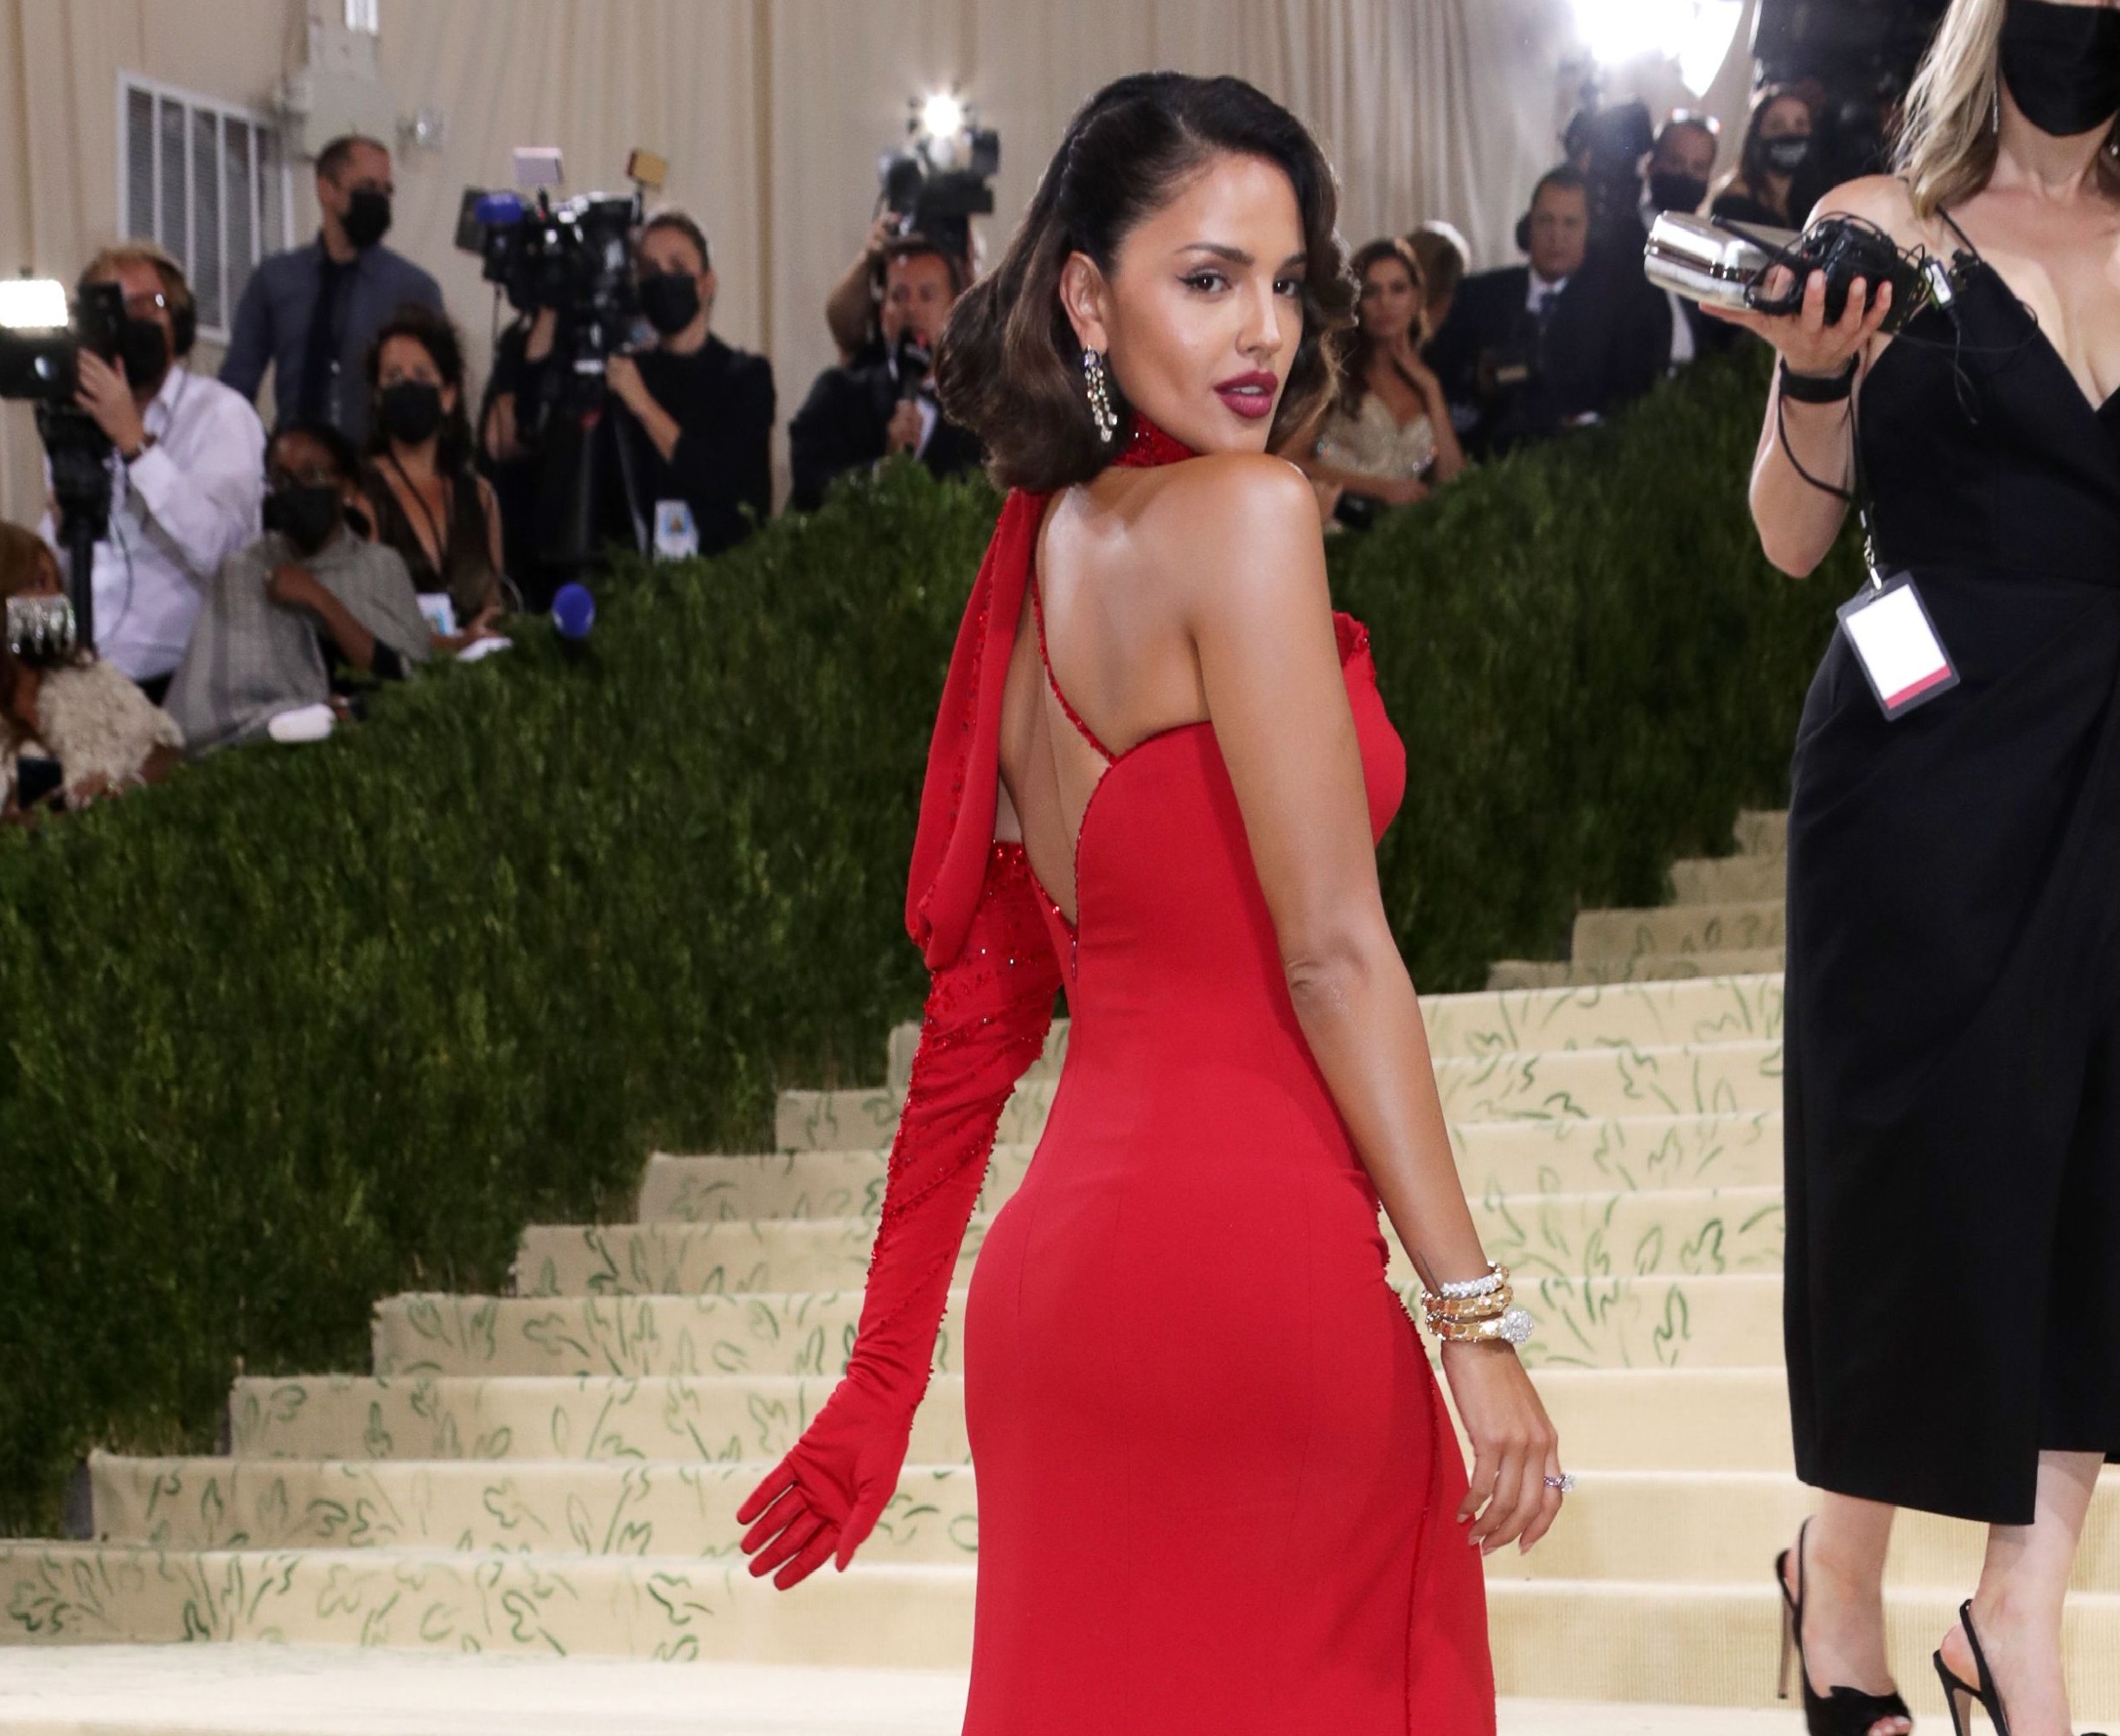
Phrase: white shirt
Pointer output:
(177, 511)
(1543, 289)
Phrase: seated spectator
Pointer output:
(1388, 435)
(430, 504)
(1777, 149)
(1444, 258)
(686, 467)
(1680, 169)
(311, 314)
(311, 596)
(75, 729)
(855, 417)
(1532, 350)
(185, 486)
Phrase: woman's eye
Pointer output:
(1206, 280)
(1288, 286)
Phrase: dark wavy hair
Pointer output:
(1354, 345)
(1752, 167)
(1009, 366)
(434, 333)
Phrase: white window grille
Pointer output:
(207, 181)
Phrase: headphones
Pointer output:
(183, 307)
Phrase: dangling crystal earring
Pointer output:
(1099, 393)
(1996, 106)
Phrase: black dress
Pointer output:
(1953, 1088)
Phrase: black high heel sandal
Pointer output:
(1838, 1710)
(1957, 1694)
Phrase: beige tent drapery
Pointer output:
(772, 114)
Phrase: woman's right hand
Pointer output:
(1806, 343)
(1516, 1448)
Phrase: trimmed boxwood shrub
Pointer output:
(309, 1026)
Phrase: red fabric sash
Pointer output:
(957, 801)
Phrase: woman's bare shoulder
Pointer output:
(1883, 200)
(1227, 523)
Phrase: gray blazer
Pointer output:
(272, 327)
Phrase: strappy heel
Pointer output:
(1961, 1695)
(1839, 1711)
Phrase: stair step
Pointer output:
(1762, 833)
(1616, 1640)
(1622, 1152)
(1621, 1079)
(1729, 879)
(1694, 1229)
(1645, 967)
(660, 1508)
(1715, 1010)
(1609, 1419)
(1711, 930)
(904, 1618)
(1717, 1645)
(1727, 1320)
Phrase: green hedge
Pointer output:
(307, 1027)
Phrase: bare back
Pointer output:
(1121, 656)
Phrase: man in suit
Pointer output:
(856, 416)
(1530, 350)
(1679, 170)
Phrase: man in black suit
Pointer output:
(1530, 350)
(1679, 170)
(856, 416)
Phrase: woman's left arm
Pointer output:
(623, 374)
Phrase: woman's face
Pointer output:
(1788, 117)
(1390, 304)
(1201, 317)
(407, 358)
(298, 461)
(668, 252)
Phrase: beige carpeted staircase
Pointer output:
(556, 1471)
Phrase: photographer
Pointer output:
(687, 455)
(74, 729)
(312, 596)
(185, 470)
(312, 313)
(852, 311)
(855, 417)
(1530, 350)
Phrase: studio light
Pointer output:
(32, 305)
(1694, 34)
(942, 116)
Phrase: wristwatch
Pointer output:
(139, 452)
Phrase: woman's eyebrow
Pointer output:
(1238, 256)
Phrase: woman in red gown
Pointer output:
(1218, 1490)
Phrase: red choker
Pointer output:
(1146, 445)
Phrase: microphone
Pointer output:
(574, 612)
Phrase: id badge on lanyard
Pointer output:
(1895, 641)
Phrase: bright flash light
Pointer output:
(942, 116)
(32, 303)
(1696, 34)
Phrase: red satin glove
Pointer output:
(986, 1017)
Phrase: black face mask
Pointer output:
(1669, 192)
(2063, 65)
(368, 216)
(143, 347)
(410, 411)
(670, 302)
(1786, 155)
(305, 513)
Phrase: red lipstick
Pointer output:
(1252, 396)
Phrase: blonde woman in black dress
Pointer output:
(1953, 1091)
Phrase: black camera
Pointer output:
(929, 190)
(575, 258)
(40, 361)
(40, 358)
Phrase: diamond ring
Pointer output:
(1564, 1483)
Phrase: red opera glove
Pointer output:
(986, 1017)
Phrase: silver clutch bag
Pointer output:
(1704, 262)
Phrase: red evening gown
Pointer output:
(1217, 1487)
